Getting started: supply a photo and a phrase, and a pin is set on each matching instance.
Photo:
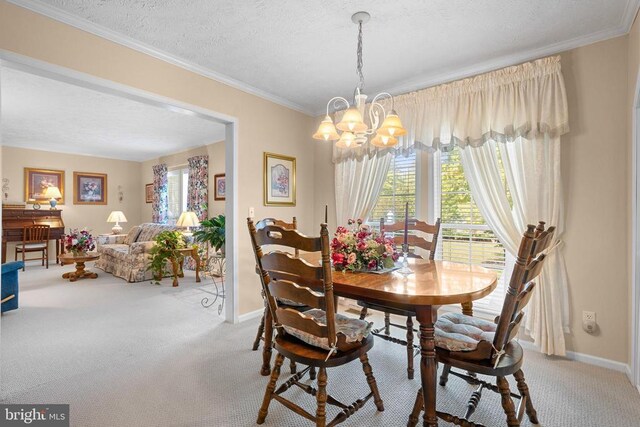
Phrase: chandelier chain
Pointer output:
(359, 58)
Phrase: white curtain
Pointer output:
(532, 172)
(358, 185)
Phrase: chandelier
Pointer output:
(352, 131)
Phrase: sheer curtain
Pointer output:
(358, 185)
(532, 171)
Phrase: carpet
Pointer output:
(145, 355)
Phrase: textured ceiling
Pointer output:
(304, 51)
(45, 114)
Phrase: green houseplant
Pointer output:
(212, 231)
(166, 248)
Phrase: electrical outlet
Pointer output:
(589, 321)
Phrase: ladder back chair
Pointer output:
(489, 348)
(265, 333)
(318, 337)
(414, 241)
(35, 238)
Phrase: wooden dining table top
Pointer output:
(432, 283)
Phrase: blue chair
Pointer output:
(9, 294)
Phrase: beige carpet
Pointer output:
(146, 355)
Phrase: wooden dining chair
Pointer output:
(35, 238)
(415, 241)
(318, 337)
(488, 348)
(260, 336)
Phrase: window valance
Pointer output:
(525, 100)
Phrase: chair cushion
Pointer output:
(31, 245)
(457, 332)
(132, 235)
(354, 330)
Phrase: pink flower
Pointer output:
(372, 264)
(338, 258)
(352, 258)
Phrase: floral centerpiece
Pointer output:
(79, 242)
(358, 247)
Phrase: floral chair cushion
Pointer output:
(457, 332)
(354, 330)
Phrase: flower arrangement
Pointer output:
(79, 241)
(358, 247)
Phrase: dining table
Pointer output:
(431, 285)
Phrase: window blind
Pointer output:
(399, 187)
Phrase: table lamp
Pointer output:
(188, 219)
(53, 193)
(117, 217)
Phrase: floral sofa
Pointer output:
(129, 257)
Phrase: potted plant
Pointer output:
(212, 231)
(166, 248)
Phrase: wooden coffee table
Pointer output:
(80, 273)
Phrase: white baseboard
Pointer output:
(586, 358)
(250, 315)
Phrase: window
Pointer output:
(464, 235)
(399, 188)
(178, 180)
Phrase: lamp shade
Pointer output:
(352, 121)
(116, 216)
(326, 130)
(188, 219)
(53, 193)
(383, 141)
(347, 140)
(392, 126)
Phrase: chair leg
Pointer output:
(368, 372)
(445, 375)
(24, 261)
(268, 345)
(414, 417)
(410, 351)
(46, 257)
(292, 367)
(268, 394)
(321, 412)
(256, 342)
(312, 373)
(507, 402)
(363, 313)
(387, 324)
(524, 392)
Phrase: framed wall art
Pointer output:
(36, 182)
(89, 188)
(220, 187)
(279, 180)
(148, 193)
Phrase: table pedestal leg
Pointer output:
(80, 273)
(428, 366)
(196, 258)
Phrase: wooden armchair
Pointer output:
(318, 337)
(35, 238)
(494, 352)
(414, 241)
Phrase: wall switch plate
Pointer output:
(252, 212)
(589, 321)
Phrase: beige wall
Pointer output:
(216, 153)
(119, 173)
(595, 170)
(262, 125)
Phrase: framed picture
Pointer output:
(279, 180)
(36, 182)
(89, 188)
(220, 187)
(148, 193)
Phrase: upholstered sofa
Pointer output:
(129, 257)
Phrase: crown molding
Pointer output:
(116, 37)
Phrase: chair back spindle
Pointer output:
(414, 240)
(35, 234)
(528, 266)
(289, 277)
